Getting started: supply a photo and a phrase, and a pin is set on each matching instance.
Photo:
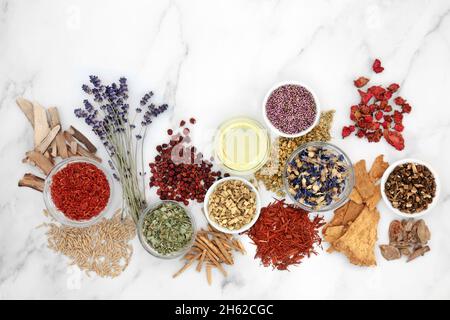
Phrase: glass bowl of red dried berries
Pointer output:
(319, 177)
(291, 109)
(78, 192)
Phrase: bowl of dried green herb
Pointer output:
(166, 229)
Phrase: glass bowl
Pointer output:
(232, 142)
(218, 226)
(349, 182)
(148, 247)
(56, 213)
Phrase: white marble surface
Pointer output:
(213, 60)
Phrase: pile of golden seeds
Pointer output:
(103, 248)
(272, 173)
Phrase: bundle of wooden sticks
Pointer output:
(211, 249)
(50, 142)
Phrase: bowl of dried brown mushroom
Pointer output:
(232, 205)
(410, 188)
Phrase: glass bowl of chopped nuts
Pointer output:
(318, 177)
(232, 205)
(166, 229)
(410, 188)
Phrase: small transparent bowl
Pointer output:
(349, 184)
(217, 146)
(148, 247)
(218, 226)
(388, 203)
(277, 131)
(57, 214)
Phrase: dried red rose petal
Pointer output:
(399, 101)
(393, 87)
(361, 82)
(377, 92)
(365, 96)
(361, 133)
(377, 66)
(406, 108)
(395, 139)
(379, 115)
(378, 118)
(346, 131)
(398, 127)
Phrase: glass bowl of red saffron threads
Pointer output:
(78, 192)
(291, 109)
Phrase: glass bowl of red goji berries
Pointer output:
(78, 192)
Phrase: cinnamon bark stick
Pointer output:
(41, 161)
(47, 141)
(83, 139)
(27, 108)
(31, 181)
(80, 149)
(59, 140)
(41, 127)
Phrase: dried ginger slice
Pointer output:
(355, 196)
(378, 168)
(363, 183)
(358, 243)
(333, 233)
(372, 202)
(353, 211)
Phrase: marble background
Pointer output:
(213, 60)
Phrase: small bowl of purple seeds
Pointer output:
(291, 109)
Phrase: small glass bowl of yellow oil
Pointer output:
(242, 146)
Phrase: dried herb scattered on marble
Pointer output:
(168, 228)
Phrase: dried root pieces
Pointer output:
(211, 249)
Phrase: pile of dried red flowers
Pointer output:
(374, 116)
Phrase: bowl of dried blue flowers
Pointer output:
(319, 177)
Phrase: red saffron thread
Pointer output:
(284, 235)
(80, 191)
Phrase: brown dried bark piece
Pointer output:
(405, 252)
(352, 212)
(418, 252)
(27, 108)
(333, 233)
(363, 183)
(339, 215)
(372, 202)
(378, 168)
(359, 241)
(395, 231)
(355, 196)
(390, 252)
(423, 233)
(31, 181)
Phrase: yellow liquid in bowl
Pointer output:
(242, 145)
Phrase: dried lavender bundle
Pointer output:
(122, 134)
